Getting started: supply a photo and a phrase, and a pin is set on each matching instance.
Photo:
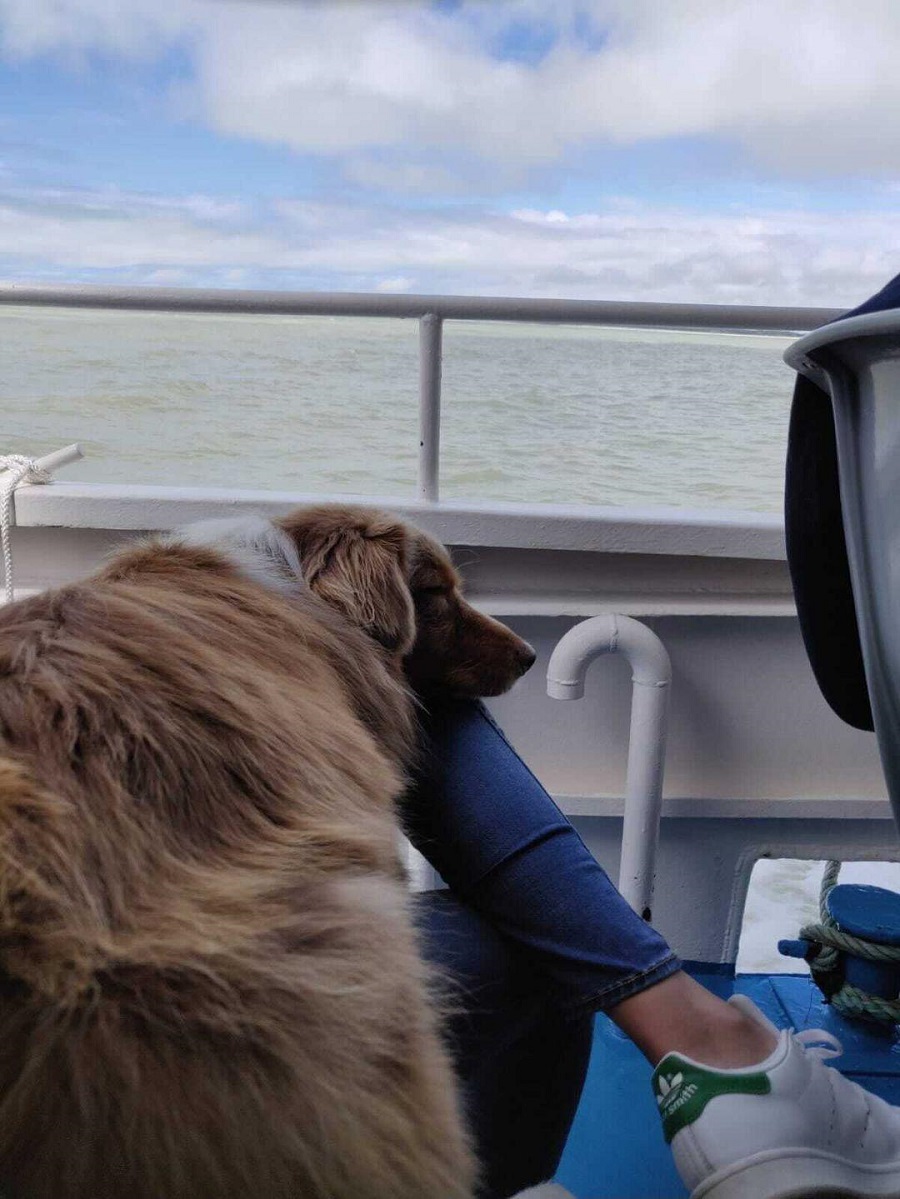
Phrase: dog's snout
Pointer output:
(527, 656)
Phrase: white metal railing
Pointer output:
(431, 312)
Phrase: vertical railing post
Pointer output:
(430, 356)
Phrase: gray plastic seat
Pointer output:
(857, 361)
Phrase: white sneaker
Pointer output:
(789, 1128)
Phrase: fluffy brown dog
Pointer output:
(210, 984)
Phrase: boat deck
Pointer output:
(616, 1149)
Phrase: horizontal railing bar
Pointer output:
(485, 308)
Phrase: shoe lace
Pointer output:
(819, 1043)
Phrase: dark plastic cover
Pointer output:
(816, 550)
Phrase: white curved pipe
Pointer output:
(651, 676)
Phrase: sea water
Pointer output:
(534, 413)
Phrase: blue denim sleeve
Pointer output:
(503, 846)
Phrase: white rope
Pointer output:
(19, 469)
(14, 470)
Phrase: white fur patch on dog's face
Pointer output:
(258, 549)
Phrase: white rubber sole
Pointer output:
(801, 1175)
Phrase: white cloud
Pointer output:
(802, 85)
(137, 28)
(395, 284)
(395, 174)
(635, 252)
(112, 230)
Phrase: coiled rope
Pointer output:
(19, 469)
(826, 968)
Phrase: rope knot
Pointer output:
(15, 469)
(24, 470)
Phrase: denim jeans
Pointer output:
(533, 933)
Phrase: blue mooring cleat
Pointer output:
(854, 955)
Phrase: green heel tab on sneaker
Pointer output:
(683, 1090)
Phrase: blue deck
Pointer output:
(616, 1150)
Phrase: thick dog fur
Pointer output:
(209, 982)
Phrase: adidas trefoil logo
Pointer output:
(672, 1092)
(667, 1085)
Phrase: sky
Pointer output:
(732, 151)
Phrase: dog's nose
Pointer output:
(527, 656)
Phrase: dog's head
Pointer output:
(398, 584)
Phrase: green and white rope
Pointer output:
(832, 942)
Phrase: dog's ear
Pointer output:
(356, 560)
